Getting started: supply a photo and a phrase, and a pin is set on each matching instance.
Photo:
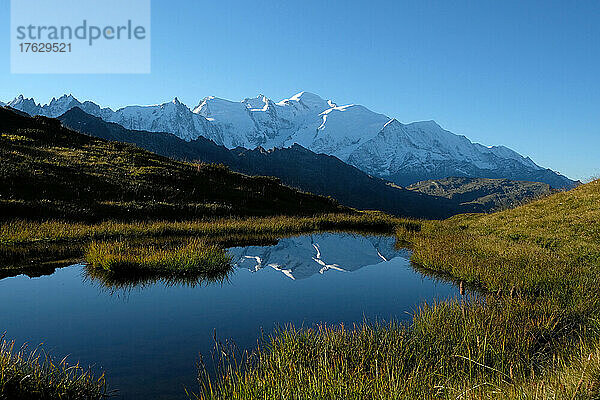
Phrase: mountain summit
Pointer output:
(373, 142)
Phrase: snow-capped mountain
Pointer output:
(406, 153)
(303, 256)
(172, 117)
(375, 143)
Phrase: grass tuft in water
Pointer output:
(191, 256)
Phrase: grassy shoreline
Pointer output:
(34, 375)
(36, 248)
(22, 241)
(17, 232)
(536, 336)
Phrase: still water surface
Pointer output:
(147, 339)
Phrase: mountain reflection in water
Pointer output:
(303, 256)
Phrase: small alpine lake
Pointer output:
(147, 336)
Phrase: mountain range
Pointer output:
(296, 166)
(376, 144)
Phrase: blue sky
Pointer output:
(518, 73)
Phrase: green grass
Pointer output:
(492, 350)
(32, 375)
(534, 335)
(16, 232)
(191, 256)
(546, 248)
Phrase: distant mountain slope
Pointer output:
(295, 166)
(327, 175)
(409, 153)
(491, 194)
(50, 171)
(372, 142)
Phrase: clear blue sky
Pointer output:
(524, 74)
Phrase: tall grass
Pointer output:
(449, 349)
(30, 375)
(26, 232)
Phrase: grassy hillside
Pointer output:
(489, 194)
(534, 334)
(549, 244)
(50, 171)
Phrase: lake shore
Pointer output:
(534, 335)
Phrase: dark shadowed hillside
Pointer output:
(48, 170)
(328, 175)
